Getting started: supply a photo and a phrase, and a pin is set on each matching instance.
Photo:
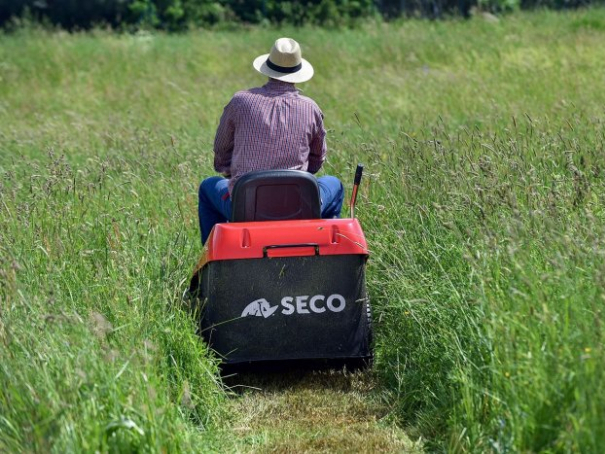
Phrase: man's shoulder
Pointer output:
(248, 96)
(248, 91)
(307, 100)
(243, 96)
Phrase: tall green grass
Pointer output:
(492, 290)
(95, 353)
(483, 206)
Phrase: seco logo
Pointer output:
(304, 304)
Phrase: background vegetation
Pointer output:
(178, 15)
(483, 205)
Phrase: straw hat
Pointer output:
(284, 62)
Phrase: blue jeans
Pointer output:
(215, 202)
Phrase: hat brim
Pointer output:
(302, 75)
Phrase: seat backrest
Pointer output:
(272, 195)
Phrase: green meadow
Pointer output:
(483, 206)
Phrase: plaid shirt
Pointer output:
(270, 127)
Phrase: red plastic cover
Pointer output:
(250, 240)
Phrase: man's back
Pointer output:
(270, 127)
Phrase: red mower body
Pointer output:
(254, 240)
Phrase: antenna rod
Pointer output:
(356, 182)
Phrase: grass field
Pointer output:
(483, 206)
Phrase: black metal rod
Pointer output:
(356, 182)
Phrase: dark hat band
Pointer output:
(283, 69)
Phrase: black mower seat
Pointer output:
(275, 195)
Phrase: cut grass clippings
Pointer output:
(324, 411)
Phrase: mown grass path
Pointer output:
(306, 411)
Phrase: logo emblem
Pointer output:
(303, 304)
(259, 308)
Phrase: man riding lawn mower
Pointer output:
(281, 278)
